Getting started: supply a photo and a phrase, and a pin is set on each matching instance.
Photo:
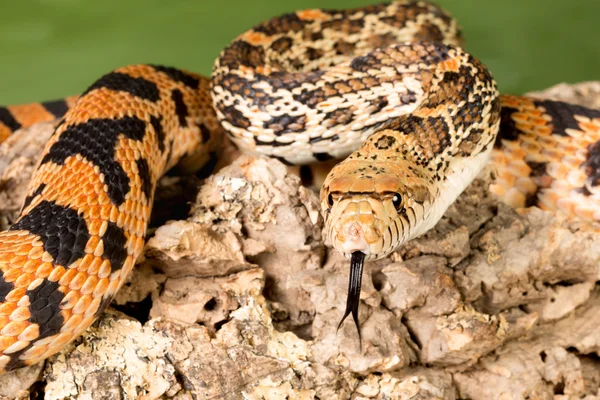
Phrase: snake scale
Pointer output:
(387, 86)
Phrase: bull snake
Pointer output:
(387, 86)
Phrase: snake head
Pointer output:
(373, 207)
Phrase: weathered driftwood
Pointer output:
(242, 300)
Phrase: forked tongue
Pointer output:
(356, 269)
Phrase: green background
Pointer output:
(54, 48)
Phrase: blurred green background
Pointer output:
(54, 48)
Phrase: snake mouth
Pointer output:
(352, 234)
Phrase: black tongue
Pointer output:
(356, 269)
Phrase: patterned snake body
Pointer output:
(85, 216)
(307, 86)
(311, 85)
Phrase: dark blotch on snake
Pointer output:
(429, 33)
(385, 142)
(5, 288)
(343, 47)
(340, 115)
(58, 108)
(323, 156)
(538, 169)
(314, 54)
(7, 119)
(37, 192)
(508, 127)
(285, 124)
(114, 246)
(310, 97)
(242, 53)
(96, 140)
(117, 81)
(379, 103)
(145, 177)
(282, 44)
(63, 232)
(178, 75)
(235, 117)
(205, 132)
(156, 123)
(180, 108)
(282, 24)
(563, 114)
(344, 25)
(361, 63)
(44, 306)
(592, 163)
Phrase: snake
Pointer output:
(387, 88)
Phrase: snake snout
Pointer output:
(357, 229)
(355, 239)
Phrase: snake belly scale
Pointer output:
(388, 85)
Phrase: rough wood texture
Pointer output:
(242, 300)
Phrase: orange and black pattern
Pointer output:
(84, 220)
(306, 86)
(25, 115)
(547, 154)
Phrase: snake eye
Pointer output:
(397, 201)
(330, 200)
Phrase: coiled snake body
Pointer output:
(307, 86)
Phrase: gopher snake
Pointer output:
(307, 86)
